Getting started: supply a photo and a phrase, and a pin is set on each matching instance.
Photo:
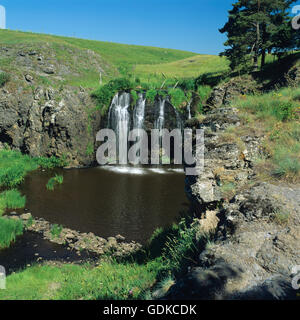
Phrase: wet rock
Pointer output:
(26, 216)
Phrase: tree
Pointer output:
(256, 27)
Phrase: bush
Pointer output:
(58, 179)
(151, 95)
(105, 93)
(11, 199)
(178, 97)
(9, 230)
(14, 166)
(51, 163)
(4, 78)
(56, 231)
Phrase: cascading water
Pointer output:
(159, 124)
(189, 110)
(119, 121)
(139, 113)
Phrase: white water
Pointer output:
(119, 121)
(131, 170)
(139, 113)
(159, 124)
(189, 110)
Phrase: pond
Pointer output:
(110, 200)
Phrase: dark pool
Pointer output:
(108, 201)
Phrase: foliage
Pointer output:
(9, 230)
(51, 163)
(4, 78)
(276, 116)
(14, 166)
(11, 199)
(58, 179)
(105, 93)
(178, 97)
(256, 27)
(56, 230)
(151, 95)
(110, 280)
(134, 97)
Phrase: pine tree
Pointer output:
(256, 27)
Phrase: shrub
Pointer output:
(52, 162)
(58, 179)
(151, 95)
(178, 97)
(11, 199)
(134, 97)
(105, 93)
(9, 230)
(4, 78)
(56, 231)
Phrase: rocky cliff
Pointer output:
(39, 113)
(256, 225)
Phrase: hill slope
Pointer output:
(112, 52)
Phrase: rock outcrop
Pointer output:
(39, 114)
(256, 245)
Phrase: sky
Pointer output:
(190, 25)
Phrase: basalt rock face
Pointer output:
(47, 122)
(39, 114)
(227, 161)
(256, 244)
(226, 93)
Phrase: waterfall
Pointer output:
(159, 124)
(189, 110)
(119, 121)
(139, 113)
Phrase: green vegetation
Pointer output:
(9, 230)
(105, 93)
(110, 280)
(187, 68)
(255, 28)
(276, 116)
(4, 78)
(14, 166)
(11, 199)
(169, 253)
(281, 218)
(57, 180)
(117, 54)
(56, 231)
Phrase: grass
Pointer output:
(11, 199)
(115, 53)
(169, 253)
(9, 230)
(14, 166)
(275, 116)
(110, 280)
(190, 67)
(56, 231)
(4, 78)
(57, 180)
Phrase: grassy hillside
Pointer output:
(186, 68)
(112, 52)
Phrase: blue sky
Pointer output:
(180, 24)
